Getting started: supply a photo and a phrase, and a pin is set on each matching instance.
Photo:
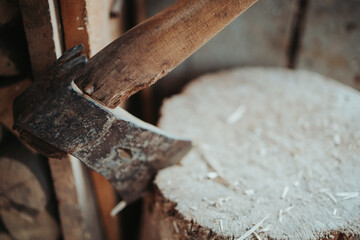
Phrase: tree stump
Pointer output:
(276, 156)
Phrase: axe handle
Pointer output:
(153, 48)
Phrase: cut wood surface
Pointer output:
(330, 40)
(277, 156)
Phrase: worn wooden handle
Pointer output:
(153, 48)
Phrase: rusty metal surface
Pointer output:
(112, 142)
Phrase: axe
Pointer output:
(72, 107)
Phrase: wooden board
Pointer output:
(330, 41)
(43, 32)
(43, 35)
(277, 153)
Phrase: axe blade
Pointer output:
(62, 119)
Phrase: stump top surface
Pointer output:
(275, 145)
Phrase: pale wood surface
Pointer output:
(330, 40)
(271, 144)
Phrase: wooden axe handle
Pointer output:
(153, 48)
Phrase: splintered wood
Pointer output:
(287, 145)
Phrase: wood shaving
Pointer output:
(236, 115)
(249, 192)
(286, 210)
(265, 229)
(347, 195)
(253, 229)
(335, 211)
(212, 175)
(337, 139)
(257, 236)
(327, 192)
(221, 225)
(280, 215)
(175, 227)
(118, 208)
(286, 190)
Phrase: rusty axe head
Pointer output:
(56, 117)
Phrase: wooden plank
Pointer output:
(260, 36)
(330, 41)
(41, 21)
(43, 34)
(89, 22)
(69, 209)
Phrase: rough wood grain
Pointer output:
(150, 50)
(43, 35)
(23, 226)
(20, 186)
(277, 150)
(330, 41)
(72, 222)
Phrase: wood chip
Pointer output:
(347, 195)
(257, 236)
(253, 229)
(249, 192)
(236, 115)
(286, 190)
(175, 227)
(212, 175)
(118, 208)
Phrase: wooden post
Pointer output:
(329, 43)
(90, 23)
(44, 37)
(276, 156)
